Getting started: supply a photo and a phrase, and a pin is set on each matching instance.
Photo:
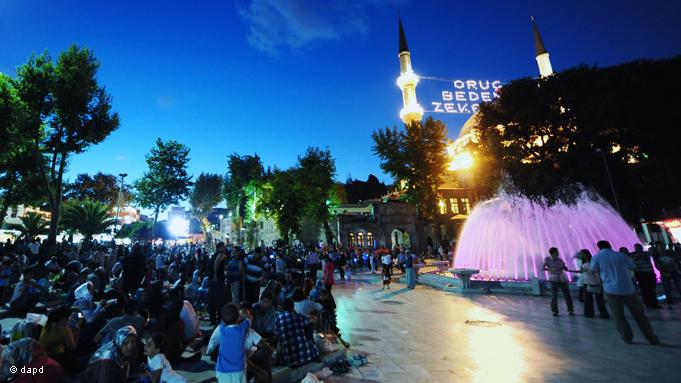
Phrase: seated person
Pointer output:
(71, 296)
(160, 369)
(60, 336)
(265, 314)
(302, 305)
(228, 342)
(130, 317)
(111, 362)
(192, 326)
(258, 352)
(26, 294)
(27, 352)
(295, 340)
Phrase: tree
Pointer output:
(135, 230)
(551, 136)
(18, 166)
(86, 217)
(166, 181)
(242, 186)
(68, 111)
(207, 194)
(31, 226)
(283, 199)
(316, 170)
(416, 158)
(358, 191)
(101, 187)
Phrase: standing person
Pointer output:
(327, 277)
(645, 276)
(134, 269)
(409, 270)
(387, 263)
(580, 280)
(614, 269)
(312, 263)
(254, 272)
(342, 264)
(216, 289)
(669, 271)
(372, 263)
(593, 288)
(160, 266)
(556, 268)
(228, 341)
(235, 275)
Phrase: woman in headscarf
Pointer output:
(111, 362)
(26, 352)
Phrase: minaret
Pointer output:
(411, 111)
(543, 61)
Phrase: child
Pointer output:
(386, 277)
(160, 370)
(228, 341)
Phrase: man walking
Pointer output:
(619, 291)
(556, 268)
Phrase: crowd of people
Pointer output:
(620, 278)
(116, 312)
(109, 306)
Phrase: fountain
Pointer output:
(508, 237)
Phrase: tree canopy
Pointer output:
(67, 111)
(86, 217)
(100, 187)
(316, 170)
(166, 181)
(415, 157)
(206, 194)
(357, 190)
(553, 135)
(283, 199)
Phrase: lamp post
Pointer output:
(612, 185)
(118, 208)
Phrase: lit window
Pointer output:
(370, 240)
(351, 239)
(360, 239)
(443, 207)
(454, 205)
(466, 205)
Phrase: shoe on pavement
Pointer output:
(570, 313)
(555, 314)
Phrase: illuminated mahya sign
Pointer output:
(463, 96)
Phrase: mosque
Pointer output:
(388, 222)
(457, 197)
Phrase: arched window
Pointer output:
(370, 240)
(351, 239)
(360, 239)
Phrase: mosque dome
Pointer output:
(469, 125)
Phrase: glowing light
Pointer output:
(179, 227)
(615, 148)
(461, 161)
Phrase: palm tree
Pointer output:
(86, 217)
(32, 225)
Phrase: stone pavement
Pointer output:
(422, 335)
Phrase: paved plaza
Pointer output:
(423, 336)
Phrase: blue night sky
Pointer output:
(273, 77)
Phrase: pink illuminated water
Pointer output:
(508, 237)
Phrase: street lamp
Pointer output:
(118, 208)
(612, 185)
